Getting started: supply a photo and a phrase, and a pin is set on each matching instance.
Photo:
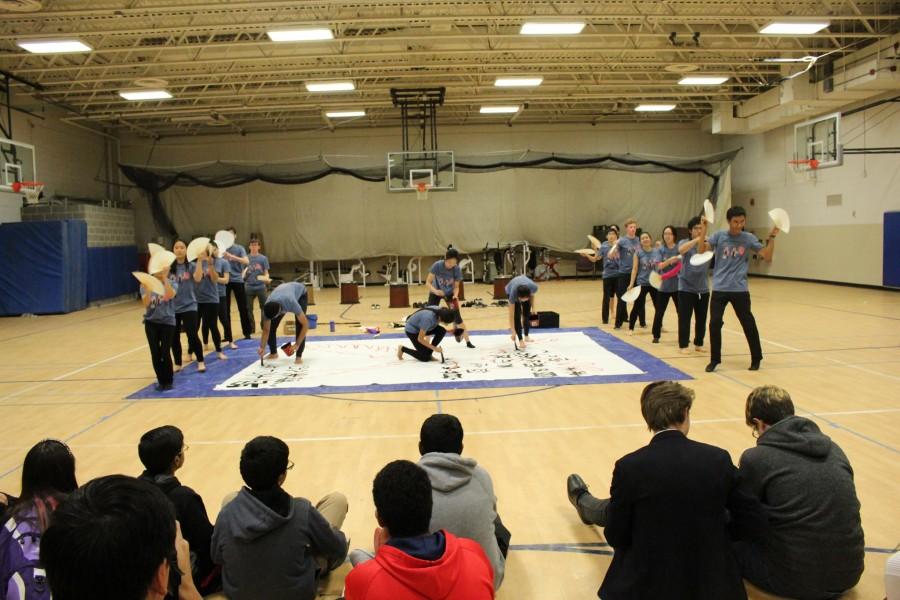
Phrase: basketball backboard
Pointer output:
(819, 139)
(434, 168)
(17, 164)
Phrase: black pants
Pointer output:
(209, 313)
(639, 310)
(740, 301)
(273, 329)
(622, 282)
(609, 291)
(222, 313)
(435, 300)
(696, 305)
(188, 323)
(240, 294)
(421, 352)
(662, 302)
(160, 337)
(522, 318)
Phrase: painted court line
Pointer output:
(395, 436)
(75, 372)
(828, 358)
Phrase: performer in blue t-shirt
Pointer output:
(421, 324)
(256, 277)
(626, 253)
(443, 282)
(159, 325)
(521, 291)
(667, 257)
(646, 262)
(610, 272)
(186, 319)
(693, 289)
(237, 260)
(733, 248)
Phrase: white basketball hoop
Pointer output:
(31, 189)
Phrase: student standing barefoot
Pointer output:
(208, 296)
(256, 275)
(187, 275)
(645, 260)
(626, 252)
(693, 289)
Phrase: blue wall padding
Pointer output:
(44, 267)
(891, 261)
(109, 272)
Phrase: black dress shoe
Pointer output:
(754, 365)
(711, 366)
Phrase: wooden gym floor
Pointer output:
(835, 349)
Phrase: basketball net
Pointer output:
(422, 191)
(31, 189)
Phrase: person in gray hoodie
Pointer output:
(462, 492)
(814, 545)
(269, 544)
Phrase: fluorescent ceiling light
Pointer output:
(795, 28)
(518, 81)
(145, 94)
(53, 46)
(494, 110)
(307, 34)
(654, 107)
(703, 80)
(331, 86)
(343, 114)
(802, 59)
(551, 28)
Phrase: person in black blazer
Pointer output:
(674, 506)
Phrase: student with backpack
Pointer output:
(48, 475)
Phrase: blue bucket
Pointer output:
(313, 320)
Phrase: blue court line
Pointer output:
(99, 421)
(834, 424)
(602, 548)
(188, 384)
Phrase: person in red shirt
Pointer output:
(410, 563)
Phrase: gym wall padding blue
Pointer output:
(891, 260)
(44, 267)
(109, 272)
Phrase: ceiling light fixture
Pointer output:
(331, 86)
(518, 81)
(794, 28)
(703, 80)
(499, 110)
(654, 107)
(306, 34)
(345, 114)
(534, 28)
(53, 46)
(138, 95)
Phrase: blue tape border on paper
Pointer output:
(191, 384)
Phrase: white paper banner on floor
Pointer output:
(365, 362)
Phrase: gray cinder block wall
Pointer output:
(106, 226)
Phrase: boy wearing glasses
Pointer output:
(270, 544)
(161, 451)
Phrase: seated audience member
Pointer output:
(162, 453)
(48, 475)
(272, 546)
(410, 563)
(116, 538)
(667, 515)
(462, 493)
(813, 547)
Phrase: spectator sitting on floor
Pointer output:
(410, 563)
(272, 546)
